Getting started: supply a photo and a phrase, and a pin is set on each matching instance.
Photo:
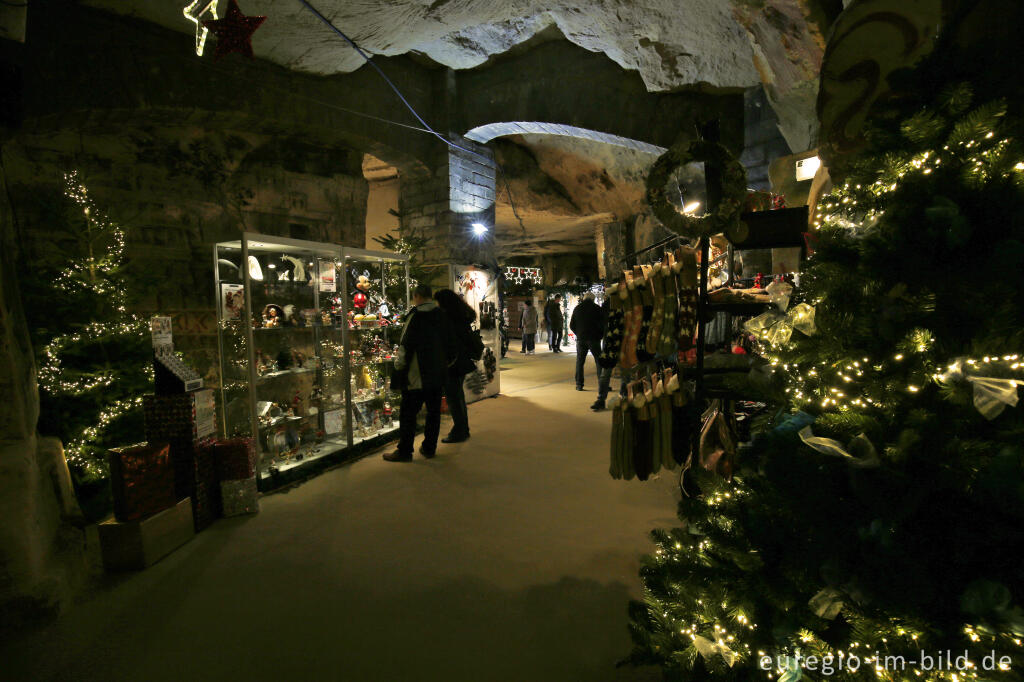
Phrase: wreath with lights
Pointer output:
(734, 189)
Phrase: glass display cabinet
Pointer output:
(375, 297)
(296, 356)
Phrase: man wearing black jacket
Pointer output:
(554, 320)
(424, 353)
(587, 323)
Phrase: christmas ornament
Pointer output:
(194, 13)
(234, 31)
(828, 446)
(776, 328)
(991, 394)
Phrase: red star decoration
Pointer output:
(234, 31)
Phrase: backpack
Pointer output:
(474, 345)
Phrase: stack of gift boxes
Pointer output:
(218, 475)
(185, 421)
(236, 468)
(171, 487)
(150, 520)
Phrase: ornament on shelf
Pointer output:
(234, 31)
(273, 315)
(362, 285)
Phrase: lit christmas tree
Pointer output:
(93, 355)
(880, 514)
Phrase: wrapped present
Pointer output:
(235, 458)
(186, 415)
(195, 476)
(141, 480)
(138, 544)
(240, 497)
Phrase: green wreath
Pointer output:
(734, 189)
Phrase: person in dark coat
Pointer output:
(528, 323)
(460, 316)
(555, 323)
(587, 323)
(421, 369)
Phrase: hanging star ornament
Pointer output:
(234, 31)
(194, 12)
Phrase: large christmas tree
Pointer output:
(93, 354)
(877, 522)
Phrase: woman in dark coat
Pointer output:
(461, 316)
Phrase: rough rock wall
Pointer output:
(177, 192)
(763, 141)
(42, 557)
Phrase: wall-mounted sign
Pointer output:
(160, 328)
(327, 281)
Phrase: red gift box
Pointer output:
(141, 480)
(235, 458)
(195, 476)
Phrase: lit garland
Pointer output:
(96, 274)
(520, 274)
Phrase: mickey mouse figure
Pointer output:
(360, 297)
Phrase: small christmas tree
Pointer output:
(878, 520)
(94, 360)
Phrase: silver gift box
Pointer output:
(240, 497)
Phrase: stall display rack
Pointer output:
(289, 347)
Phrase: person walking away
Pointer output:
(469, 348)
(587, 323)
(424, 354)
(604, 374)
(528, 323)
(555, 322)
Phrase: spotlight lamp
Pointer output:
(479, 229)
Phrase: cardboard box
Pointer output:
(240, 497)
(135, 545)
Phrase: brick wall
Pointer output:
(444, 206)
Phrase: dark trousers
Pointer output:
(584, 346)
(528, 341)
(555, 337)
(412, 402)
(453, 390)
(604, 382)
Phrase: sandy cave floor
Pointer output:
(511, 556)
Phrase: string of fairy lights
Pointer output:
(721, 627)
(96, 273)
(841, 384)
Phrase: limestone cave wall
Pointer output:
(177, 192)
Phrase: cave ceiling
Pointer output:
(671, 43)
(563, 188)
